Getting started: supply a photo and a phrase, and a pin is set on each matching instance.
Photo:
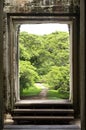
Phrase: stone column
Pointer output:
(83, 64)
(1, 64)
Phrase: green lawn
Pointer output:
(31, 91)
(55, 94)
(51, 94)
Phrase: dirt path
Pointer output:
(43, 92)
(41, 95)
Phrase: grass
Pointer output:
(31, 91)
(51, 94)
(55, 94)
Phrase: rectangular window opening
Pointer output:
(45, 61)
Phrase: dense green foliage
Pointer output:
(28, 74)
(45, 59)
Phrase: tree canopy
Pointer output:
(45, 58)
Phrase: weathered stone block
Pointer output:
(24, 6)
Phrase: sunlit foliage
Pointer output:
(45, 59)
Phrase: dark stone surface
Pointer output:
(42, 6)
(1, 64)
(41, 127)
(83, 63)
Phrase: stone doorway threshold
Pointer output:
(42, 127)
(44, 101)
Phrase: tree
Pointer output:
(45, 59)
(59, 77)
(28, 75)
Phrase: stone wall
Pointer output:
(41, 6)
(29, 6)
(1, 64)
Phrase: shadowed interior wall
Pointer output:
(1, 64)
(83, 63)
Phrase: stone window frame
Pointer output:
(18, 19)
